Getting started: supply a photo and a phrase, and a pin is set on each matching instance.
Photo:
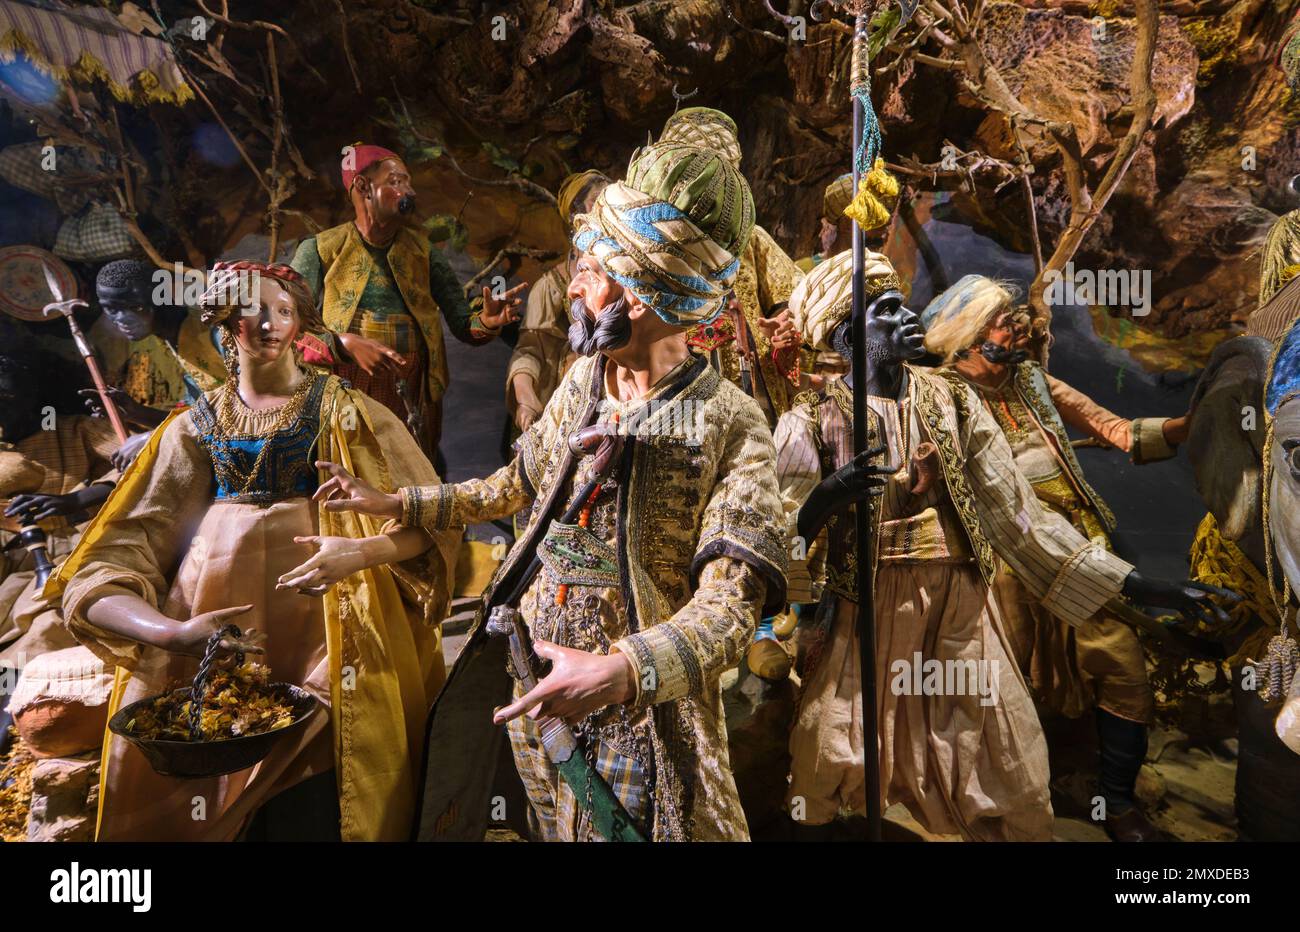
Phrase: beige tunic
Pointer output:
(49, 462)
(543, 349)
(965, 755)
(1099, 662)
(187, 553)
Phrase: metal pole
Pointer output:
(862, 512)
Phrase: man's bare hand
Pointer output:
(345, 492)
(371, 355)
(497, 312)
(579, 683)
(780, 331)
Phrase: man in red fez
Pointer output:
(385, 291)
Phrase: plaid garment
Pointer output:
(555, 813)
(97, 234)
(22, 165)
(397, 331)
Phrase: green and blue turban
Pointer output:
(673, 232)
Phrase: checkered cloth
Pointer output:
(556, 814)
(97, 234)
(22, 166)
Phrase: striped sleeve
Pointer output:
(798, 471)
(1070, 575)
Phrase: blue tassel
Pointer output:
(869, 146)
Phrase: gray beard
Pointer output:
(611, 330)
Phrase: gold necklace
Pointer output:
(228, 405)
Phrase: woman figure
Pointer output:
(197, 535)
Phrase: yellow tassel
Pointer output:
(873, 205)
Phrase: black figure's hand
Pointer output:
(854, 482)
(40, 507)
(1189, 599)
(125, 455)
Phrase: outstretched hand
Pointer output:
(497, 312)
(191, 637)
(371, 355)
(860, 478)
(336, 558)
(579, 683)
(856, 481)
(35, 507)
(345, 492)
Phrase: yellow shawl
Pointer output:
(384, 671)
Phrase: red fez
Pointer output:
(358, 157)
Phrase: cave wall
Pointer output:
(533, 89)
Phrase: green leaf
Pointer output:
(499, 158)
(882, 24)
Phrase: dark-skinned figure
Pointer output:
(156, 355)
(960, 742)
(55, 472)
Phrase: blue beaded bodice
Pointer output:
(287, 470)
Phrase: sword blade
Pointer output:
(52, 281)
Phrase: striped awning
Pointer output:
(86, 44)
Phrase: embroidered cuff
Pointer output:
(1088, 580)
(1149, 444)
(664, 667)
(428, 506)
(478, 328)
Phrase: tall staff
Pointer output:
(864, 155)
(866, 143)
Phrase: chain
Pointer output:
(200, 683)
(228, 404)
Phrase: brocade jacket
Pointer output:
(681, 550)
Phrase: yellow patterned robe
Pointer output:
(153, 373)
(766, 278)
(681, 556)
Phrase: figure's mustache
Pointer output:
(999, 355)
(611, 329)
(406, 204)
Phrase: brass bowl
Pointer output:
(194, 759)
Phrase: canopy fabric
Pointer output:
(87, 44)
